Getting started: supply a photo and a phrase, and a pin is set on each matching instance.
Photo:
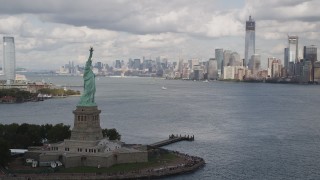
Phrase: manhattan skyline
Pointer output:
(52, 33)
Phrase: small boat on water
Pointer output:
(163, 88)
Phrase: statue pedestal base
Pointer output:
(86, 124)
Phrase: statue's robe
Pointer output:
(87, 98)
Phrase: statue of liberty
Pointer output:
(89, 86)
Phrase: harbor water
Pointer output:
(242, 130)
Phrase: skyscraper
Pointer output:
(136, 64)
(9, 59)
(226, 57)
(219, 57)
(310, 54)
(212, 69)
(118, 64)
(250, 40)
(256, 62)
(286, 58)
(180, 66)
(235, 59)
(293, 49)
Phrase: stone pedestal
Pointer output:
(86, 124)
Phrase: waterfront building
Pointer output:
(298, 68)
(310, 54)
(147, 65)
(180, 65)
(197, 73)
(240, 73)
(286, 58)
(234, 72)
(186, 73)
(69, 69)
(250, 39)
(98, 65)
(118, 64)
(293, 49)
(306, 72)
(255, 61)
(212, 69)
(276, 69)
(9, 59)
(136, 64)
(177, 75)
(229, 72)
(248, 73)
(20, 78)
(317, 72)
(291, 68)
(226, 57)
(63, 70)
(204, 66)
(193, 62)
(219, 57)
(270, 61)
(269, 69)
(284, 72)
(130, 63)
(263, 74)
(235, 59)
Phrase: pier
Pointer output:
(173, 139)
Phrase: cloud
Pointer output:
(11, 24)
(285, 10)
(32, 34)
(219, 25)
(137, 17)
(57, 31)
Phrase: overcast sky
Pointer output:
(50, 33)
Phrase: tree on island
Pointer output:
(20, 95)
(58, 132)
(4, 152)
(112, 134)
(24, 96)
(58, 92)
(25, 135)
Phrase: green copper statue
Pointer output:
(87, 98)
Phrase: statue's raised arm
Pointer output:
(89, 89)
(91, 52)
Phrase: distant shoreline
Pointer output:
(249, 81)
(21, 95)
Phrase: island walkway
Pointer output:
(172, 139)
